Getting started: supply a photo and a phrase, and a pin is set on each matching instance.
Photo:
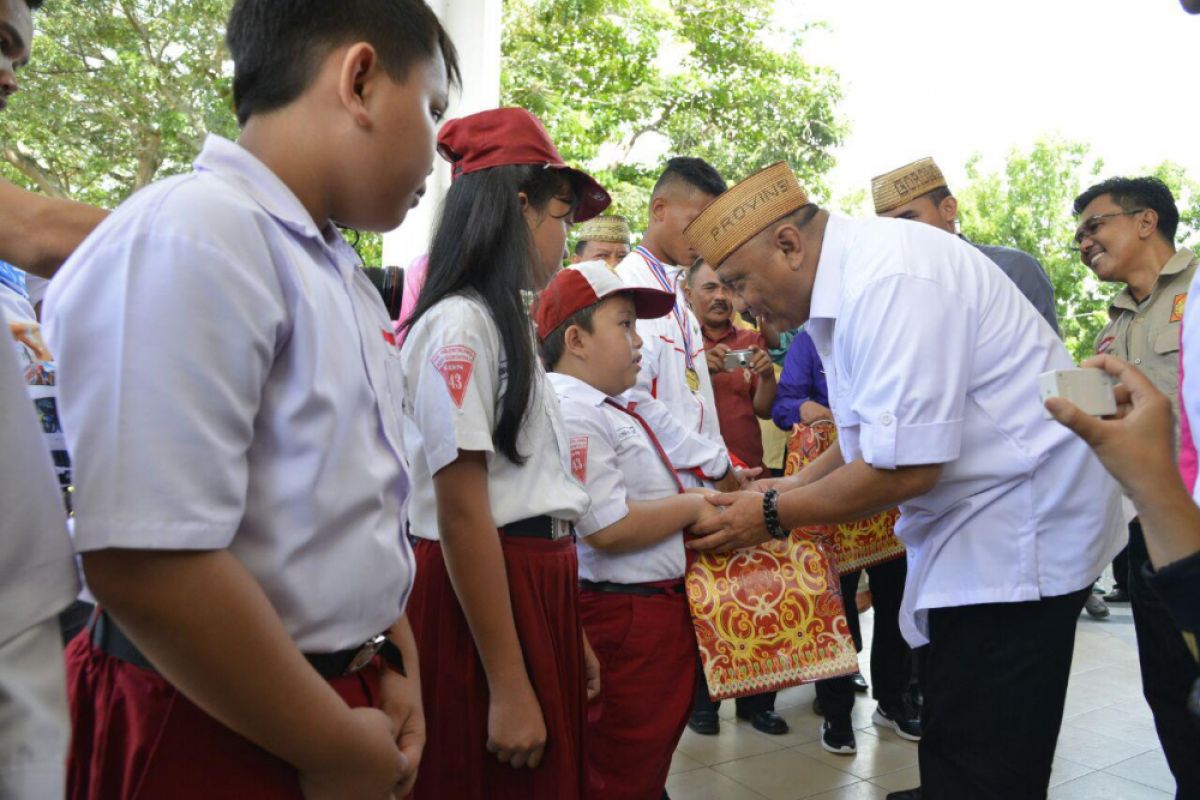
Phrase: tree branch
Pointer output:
(35, 172)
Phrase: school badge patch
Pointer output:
(1177, 307)
(579, 448)
(455, 363)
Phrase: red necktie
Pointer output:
(662, 454)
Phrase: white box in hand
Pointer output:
(1089, 388)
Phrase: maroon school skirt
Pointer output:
(543, 584)
(135, 737)
(647, 652)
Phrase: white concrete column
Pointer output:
(474, 27)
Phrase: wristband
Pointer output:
(771, 515)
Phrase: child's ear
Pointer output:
(360, 64)
(575, 340)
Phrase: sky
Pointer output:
(949, 78)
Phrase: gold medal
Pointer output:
(693, 379)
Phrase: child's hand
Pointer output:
(369, 765)
(516, 728)
(592, 666)
(700, 490)
(400, 699)
(705, 510)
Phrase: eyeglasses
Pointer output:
(1087, 229)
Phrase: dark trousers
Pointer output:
(746, 706)
(1120, 567)
(890, 656)
(1168, 672)
(995, 681)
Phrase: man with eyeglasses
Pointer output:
(1126, 234)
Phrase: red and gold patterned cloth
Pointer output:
(769, 617)
(853, 545)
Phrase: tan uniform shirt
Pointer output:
(1146, 334)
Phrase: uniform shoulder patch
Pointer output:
(455, 363)
(579, 450)
(1177, 306)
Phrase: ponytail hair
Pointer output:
(483, 244)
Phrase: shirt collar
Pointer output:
(234, 163)
(827, 285)
(1175, 264)
(571, 388)
(730, 332)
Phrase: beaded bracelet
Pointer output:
(771, 515)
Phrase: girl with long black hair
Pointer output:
(495, 603)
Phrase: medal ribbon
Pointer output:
(660, 274)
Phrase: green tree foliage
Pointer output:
(118, 92)
(723, 81)
(1028, 206)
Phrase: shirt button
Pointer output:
(1137, 361)
(885, 419)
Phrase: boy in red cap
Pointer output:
(631, 554)
(495, 604)
(228, 380)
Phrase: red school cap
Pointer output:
(578, 286)
(511, 136)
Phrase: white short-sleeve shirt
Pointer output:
(617, 462)
(455, 371)
(663, 371)
(932, 357)
(229, 379)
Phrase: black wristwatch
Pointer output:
(771, 515)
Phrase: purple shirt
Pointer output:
(803, 379)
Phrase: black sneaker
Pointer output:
(766, 721)
(838, 738)
(906, 727)
(1119, 594)
(705, 723)
(860, 683)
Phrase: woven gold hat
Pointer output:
(605, 228)
(893, 189)
(744, 211)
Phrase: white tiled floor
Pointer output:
(1107, 749)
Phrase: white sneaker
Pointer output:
(1095, 606)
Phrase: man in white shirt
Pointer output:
(932, 358)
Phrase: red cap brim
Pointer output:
(593, 198)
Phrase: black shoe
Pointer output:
(705, 723)
(1119, 594)
(838, 738)
(860, 683)
(907, 794)
(767, 722)
(906, 727)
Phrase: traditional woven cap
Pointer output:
(605, 228)
(578, 286)
(744, 211)
(507, 136)
(893, 189)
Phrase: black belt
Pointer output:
(640, 589)
(107, 637)
(542, 527)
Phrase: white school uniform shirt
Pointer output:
(617, 462)
(663, 371)
(455, 372)
(932, 357)
(229, 380)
